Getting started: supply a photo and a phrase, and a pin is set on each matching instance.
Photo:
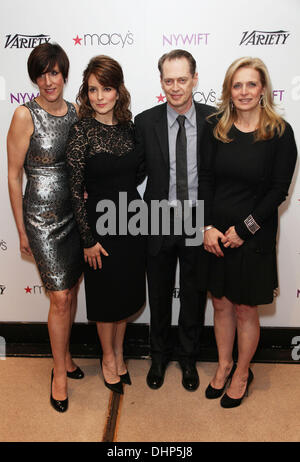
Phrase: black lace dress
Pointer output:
(102, 161)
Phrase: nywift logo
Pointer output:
(258, 37)
(192, 39)
(25, 41)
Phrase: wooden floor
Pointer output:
(270, 413)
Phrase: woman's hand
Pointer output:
(232, 239)
(211, 241)
(92, 255)
(24, 245)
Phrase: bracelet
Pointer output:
(251, 224)
(206, 228)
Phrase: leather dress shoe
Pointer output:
(156, 374)
(77, 374)
(59, 406)
(190, 378)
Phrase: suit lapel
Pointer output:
(161, 130)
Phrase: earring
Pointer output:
(231, 105)
(262, 101)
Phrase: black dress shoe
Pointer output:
(156, 374)
(59, 406)
(125, 378)
(213, 393)
(190, 378)
(77, 374)
(115, 387)
(228, 402)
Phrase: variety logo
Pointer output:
(34, 290)
(2, 289)
(22, 98)
(105, 39)
(257, 37)
(25, 41)
(3, 245)
(178, 40)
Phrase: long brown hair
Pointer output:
(270, 122)
(109, 73)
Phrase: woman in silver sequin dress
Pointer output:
(45, 222)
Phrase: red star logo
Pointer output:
(160, 98)
(77, 40)
(28, 290)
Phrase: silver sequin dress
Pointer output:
(48, 217)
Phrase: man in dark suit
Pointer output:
(169, 148)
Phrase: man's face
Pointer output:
(177, 83)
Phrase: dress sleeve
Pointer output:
(206, 176)
(282, 169)
(76, 153)
(139, 149)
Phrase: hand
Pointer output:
(24, 246)
(211, 241)
(92, 255)
(232, 239)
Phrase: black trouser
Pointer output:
(161, 272)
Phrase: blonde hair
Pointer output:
(270, 122)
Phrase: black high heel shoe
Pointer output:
(59, 406)
(228, 402)
(77, 374)
(125, 378)
(213, 393)
(115, 387)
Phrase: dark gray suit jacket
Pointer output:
(151, 128)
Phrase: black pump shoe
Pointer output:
(59, 406)
(228, 402)
(213, 393)
(115, 387)
(77, 374)
(125, 378)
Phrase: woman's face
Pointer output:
(102, 100)
(246, 89)
(51, 85)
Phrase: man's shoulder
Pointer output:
(204, 109)
(152, 112)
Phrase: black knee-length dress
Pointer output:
(243, 183)
(102, 161)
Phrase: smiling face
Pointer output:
(51, 85)
(246, 89)
(177, 83)
(102, 99)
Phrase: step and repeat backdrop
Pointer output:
(137, 33)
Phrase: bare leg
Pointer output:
(118, 346)
(107, 332)
(59, 332)
(248, 330)
(71, 366)
(224, 327)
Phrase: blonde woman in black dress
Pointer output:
(102, 161)
(248, 160)
(47, 229)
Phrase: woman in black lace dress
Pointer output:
(102, 161)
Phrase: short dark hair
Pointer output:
(177, 54)
(109, 73)
(44, 57)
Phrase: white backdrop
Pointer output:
(137, 33)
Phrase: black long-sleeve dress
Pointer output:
(243, 183)
(102, 161)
